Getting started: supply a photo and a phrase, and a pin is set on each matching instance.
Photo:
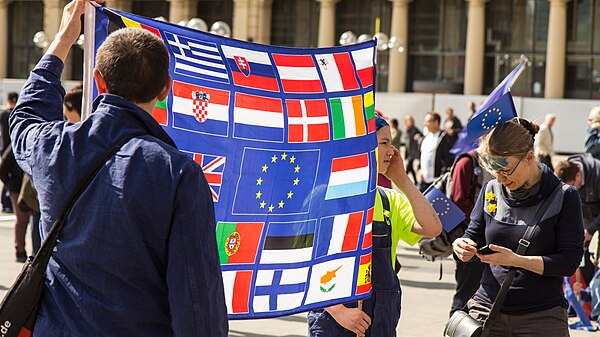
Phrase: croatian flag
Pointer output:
(338, 72)
(308, 120)
(200, 109)
(298, 73)
(349, 176)
(364, 66)
(339, 233)
(258, 118)
(251, 68)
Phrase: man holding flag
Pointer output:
(137, 254)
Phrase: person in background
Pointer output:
(72, 104)
(592, 139)
(436, 158)
(535, 304)
(11, 101)
(452, 125)
(137, 255)
(396, 133)
(472, 110)
(410, 217)
(544, 140)
(412, 136)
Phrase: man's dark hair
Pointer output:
(435, 117)
(134, 64)
(566, 170)
(73, 99)
(12, 97)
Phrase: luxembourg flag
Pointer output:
(363, 59)
(258, 118)
(338, 234)
(349, 176)
(298, 73)
(251, 68)
(338, 72)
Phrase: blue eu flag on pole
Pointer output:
(501, 111)
(450, 215)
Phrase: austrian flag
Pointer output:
(308, 120)
(298, 73)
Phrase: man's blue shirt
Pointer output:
(137, 255)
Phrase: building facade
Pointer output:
(441, 46)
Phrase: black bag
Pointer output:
(19, 308)
(461, 324)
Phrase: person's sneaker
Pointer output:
(21, 257)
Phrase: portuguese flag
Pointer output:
(238, 241)
(160, 112)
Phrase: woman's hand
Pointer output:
(501, 257)
(352, 319)
(464, 248)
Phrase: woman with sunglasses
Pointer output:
(535, 304)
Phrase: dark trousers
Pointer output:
(468, 278)
(410, 169)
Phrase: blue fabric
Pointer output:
(137, 255)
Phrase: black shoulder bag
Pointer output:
(461, 324)
(19, 308)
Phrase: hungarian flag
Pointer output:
(298, 73)
(237, 290)
(337, 71)
(347, 116)
(237, 242)
(339, 233)
(363, 283)
(308, 120)
(363, 58)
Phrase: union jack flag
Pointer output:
(213, 167)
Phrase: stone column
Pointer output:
(556, 50)
(177, 11)
(475, 48)
(264, 21)
(122, 5)
(398, 58)
(241, 13)
(327, 23)
(4, 38)
(52, 15)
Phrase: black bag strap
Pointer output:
(42, 257)
(523, 245)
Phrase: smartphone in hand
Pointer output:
(485, 250)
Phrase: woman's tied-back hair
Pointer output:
(73, 99)
(134, 64)
(511, 138)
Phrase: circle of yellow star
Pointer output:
(271, 208)
(274, 158)
(281, 203)
(292, 159)
(297, 169)
(262, 204)
(284, 156)
(290, 194)
(258, 194)
(259, 181)
(296, 181)
(264, 168)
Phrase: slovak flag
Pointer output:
(308, 120)
(251, 68)
(298, 73)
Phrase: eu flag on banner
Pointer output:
(450, 215)
(499, 112)
(285, 137)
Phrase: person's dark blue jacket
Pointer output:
(137, 256)
(589, 192)
(500, 219)
(592, 142)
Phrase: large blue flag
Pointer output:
(467, 140)
(286, 140)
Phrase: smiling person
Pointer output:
(408, 216)
(535, 303)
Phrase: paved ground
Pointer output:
(426, 300)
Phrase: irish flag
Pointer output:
(237, 290)
(347, 116)
(349, 176)
(337, 71)
(237, 242)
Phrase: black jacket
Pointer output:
(589, 193)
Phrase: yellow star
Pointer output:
(271, 208)
(264, 168)
(281, 203)
(284, 156)
(296, 181)
(491, 208)
(292, 159)
(489, 196)
(259, 181)
(297, 169)
(274, 158)
(290, 194)
(262, 204)
(258, 194)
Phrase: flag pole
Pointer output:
(88, 59)
(359, 308)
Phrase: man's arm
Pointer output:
(194, 281)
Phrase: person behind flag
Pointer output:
(436, 158)
(535, 303)
(410, 217)
(411, 151)
(137, 255)
(544, 140)
(72, 104)
(592, 139)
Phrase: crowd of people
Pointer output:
(166, 291)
